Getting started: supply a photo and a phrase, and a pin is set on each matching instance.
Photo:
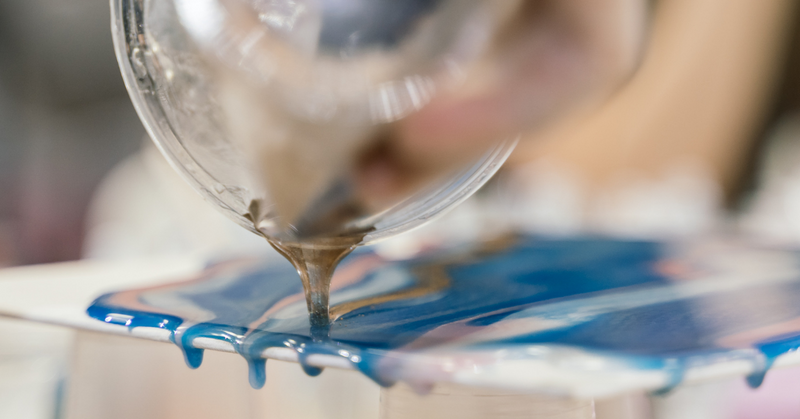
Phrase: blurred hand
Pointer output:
(555, 54)
(552, 56)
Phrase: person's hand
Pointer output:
(554, 54)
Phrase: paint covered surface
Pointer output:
(506, 310)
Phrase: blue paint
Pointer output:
(772, 348)
(588, 289)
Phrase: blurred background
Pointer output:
(704, 137)
(65, 121)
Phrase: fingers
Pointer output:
(555, 54)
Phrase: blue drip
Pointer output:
(675, 369)
(485, 288)
(771, 349)
(755, 379)
(257, 368)
(193, 357)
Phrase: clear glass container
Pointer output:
(266, 106)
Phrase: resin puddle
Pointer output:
(609, 305)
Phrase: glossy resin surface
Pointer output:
(508, 312)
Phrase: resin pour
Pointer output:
(629, 305)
